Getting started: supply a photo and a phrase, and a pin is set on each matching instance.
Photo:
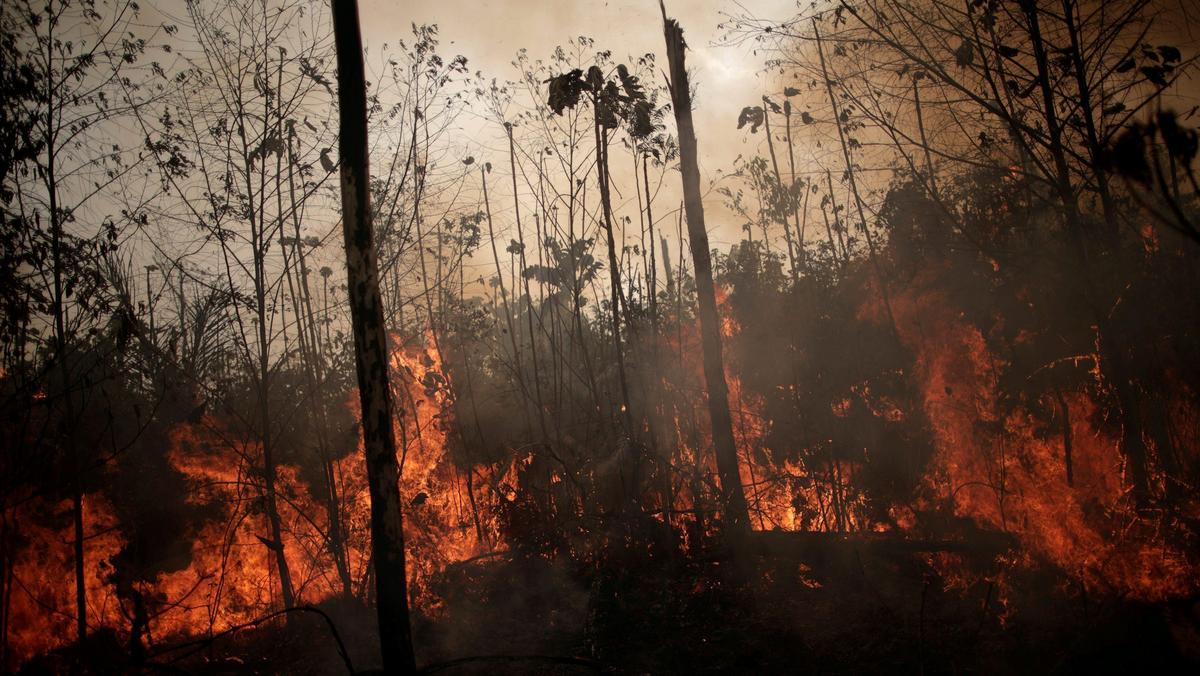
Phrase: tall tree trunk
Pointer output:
(652, 273)
(1064, 419)
(737, 516)
(60, 348)
(370, 348)
(800, 224)
(518, 369)
(259, 243)
(1087, 111)
(315, 375)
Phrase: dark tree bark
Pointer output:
(1064, 415)
(370, 348)
(737, 516)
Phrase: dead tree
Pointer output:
(737, 516)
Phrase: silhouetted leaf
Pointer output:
(965, 54)
(1182, 143)
(633, 89)
(565, 90)
(1128, 156)
(752, 115)
(640, 123)
(1155, 74)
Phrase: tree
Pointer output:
(733, 495)
(1043, 92)
(229, 152)
(613, 101)
(370, 347)
(75, 72)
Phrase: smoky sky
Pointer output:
(489, 34)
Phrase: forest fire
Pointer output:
(1058, 485)
(783, 495)
(325, 353)
(230, 577)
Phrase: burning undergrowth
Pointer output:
(922, 448)
(224, 573)
(1058, 482)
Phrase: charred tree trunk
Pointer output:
(370, 348)
(737, 516)
(1064, 413)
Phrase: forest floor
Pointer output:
(851, 614)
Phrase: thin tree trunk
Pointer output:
(836, 221)
(807, 191)
(652, 273)
(60, 345)
(1111, 354)
(1087, 112)
(787, 228)
(315, 375)
(1064, 413)
(508, 317)
(370, 348)
(667, 266)
(260, 243)
(737, 516)
(883, 291)
(614, 272)
(533, 349)
(932, 182)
